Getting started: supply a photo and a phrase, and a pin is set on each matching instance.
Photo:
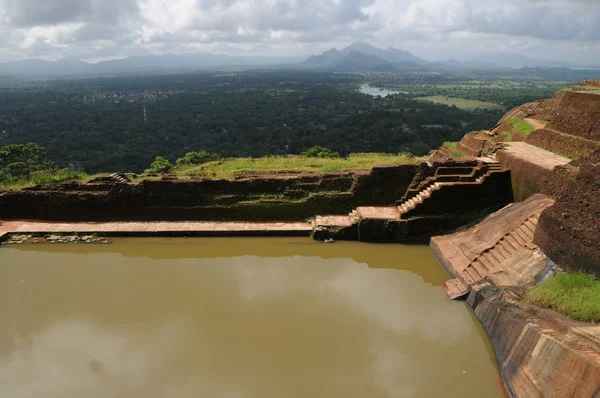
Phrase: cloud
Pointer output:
(30, 13)
(117, 28)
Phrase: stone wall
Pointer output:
(528, 178)
(569, 231)
(562, 144)
(578, 114)
(267, 198)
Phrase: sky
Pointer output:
(95, 30)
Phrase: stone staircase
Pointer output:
(444, 177)
(120, 178)
(415, 197)
(474, 274)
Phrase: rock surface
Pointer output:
(540, 352)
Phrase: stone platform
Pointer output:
(186, 228)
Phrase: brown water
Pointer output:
(264, 318)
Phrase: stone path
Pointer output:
(535, 155)
(536, 123)
(158, 228)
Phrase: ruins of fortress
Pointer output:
(540, 192)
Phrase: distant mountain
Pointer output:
(364, 57)
(357, 57)
(384, 68)
(135, 64)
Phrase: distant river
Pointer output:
(378, 92)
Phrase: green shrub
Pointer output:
(576, 295)
(197, 158)
(160, 165)
(320, 152)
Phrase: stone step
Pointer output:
(510, 240)
(496, 251)
(479, 268)
(526, 232)
(457, 289)
(502, 251)
(485, 262)
(494, 257)
(507, 246)
(470, 275)
(529, 224)
(518, 238)
(523, 238)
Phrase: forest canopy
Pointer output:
(123, 123)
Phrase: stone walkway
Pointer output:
(159, 228)
(538, 125)
(535, 155)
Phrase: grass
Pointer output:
(46, 177)
(508, 135)
(521, 125)
(227, 168)
(450, 145)
(575, 295)
(460, 103)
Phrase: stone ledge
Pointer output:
(161, 228)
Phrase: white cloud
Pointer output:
(567, 29)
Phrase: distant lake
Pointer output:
(378, 92)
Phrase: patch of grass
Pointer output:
(576, 295)
(457, 154)
(45, 177)
(450, 145)
(521, 125)
(508, 135)
(358, 161)
(460, 103)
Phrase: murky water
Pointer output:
(265, 318)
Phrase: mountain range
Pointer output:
(357, 57)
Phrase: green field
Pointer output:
(460, 103)
(227, 168)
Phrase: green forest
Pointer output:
(123, 123)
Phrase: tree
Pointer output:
(196, 158)
(20, 160)
(160, 165)
(320, 152)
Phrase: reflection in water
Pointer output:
(176, 320)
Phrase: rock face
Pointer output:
(569, 231)
(540, 352)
